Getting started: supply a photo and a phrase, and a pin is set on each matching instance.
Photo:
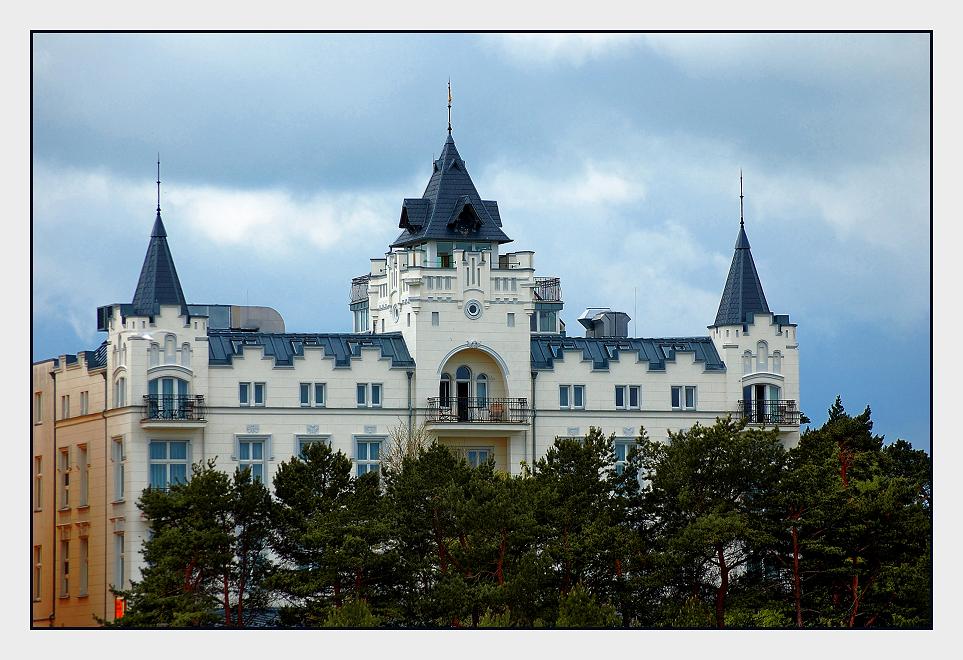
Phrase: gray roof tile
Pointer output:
(743, 294)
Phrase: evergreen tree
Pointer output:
(709, 488)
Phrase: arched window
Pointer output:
(777, 362)
(463, 373)
(481, 389)
(170, 347)
(747, 362)
(186, 355)
(167, 398)
(762, 356)
(444, 391)
(154, 354)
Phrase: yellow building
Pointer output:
(69, 583)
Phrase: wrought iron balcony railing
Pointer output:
(548, 289)
(359, 288)
(485, 410)
(173, 408)
(770, 412)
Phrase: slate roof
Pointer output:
(450, 207)
(98, 358)
(284, 347)
(158, 283)
(546, 349)
(743, 295)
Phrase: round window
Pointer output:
(473, 309)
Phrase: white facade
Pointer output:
(463, 308)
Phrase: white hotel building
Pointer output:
(451, 331)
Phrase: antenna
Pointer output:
(449, 106)
(741, 219)
(158, 182)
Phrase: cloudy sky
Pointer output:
(615, 157)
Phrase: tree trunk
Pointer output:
(723, 587)
(499, 573)
(796, 581)
(227, 604)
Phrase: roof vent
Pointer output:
(603, 322)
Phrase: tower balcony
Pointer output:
(169, 411)
(769, 412)
(359, 288)
(548, 289)
(480, 410)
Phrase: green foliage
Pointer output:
(579, 609)
(205, 553)
(353, 614)
(720, 526)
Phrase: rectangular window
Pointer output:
(167, 463)
(83, 567)
(434, 318)
(120, 392)
(319, 389)
(37, 572)
(37, 483)
(563, 396)
(362, 394)
(250, 454)
(478, 457)
(578, 396)
(84, 473)
(244, 394)
(546, 321)
(375, 395)
(622, 448)
(64, 468)
(511, 319)
(683, 397)
(64, 569)
(533, 323)
(305, 440)
(305, 392)
(368, 455)
(84, 400)
(119, 560)
(65, 406)
(409, 319)
(620, 397)
(634, 398)
(117, 455)
(37, 407)
(259, 394)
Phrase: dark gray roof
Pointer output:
(225, 344)
(98, 358)
(600, 350)
(743, 294)
(158, 283)
(450, 207)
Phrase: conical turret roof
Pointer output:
(743, 294)
(158, 283)
(450, 207)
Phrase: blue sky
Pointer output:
(615, 157)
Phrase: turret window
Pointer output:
(762, 356)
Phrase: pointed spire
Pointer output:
(743, 294)
(158, 283)
(741, 217)
(449, 107)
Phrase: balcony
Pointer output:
(770, 412)
(165, 410)
(472, 410)
(359, 288)
(548, 289)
